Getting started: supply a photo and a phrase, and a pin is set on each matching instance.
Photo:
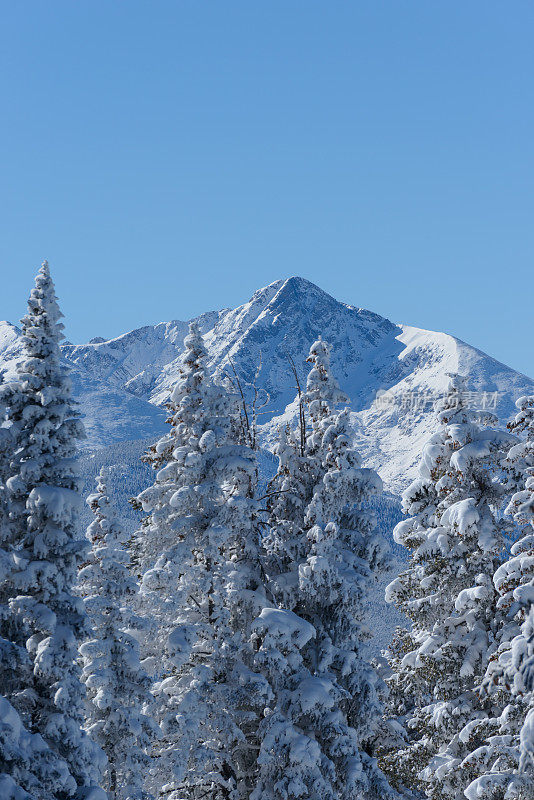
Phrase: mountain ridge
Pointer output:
(122, 383)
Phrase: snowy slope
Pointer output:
(395, 427)
(111, 414)
(122, 383)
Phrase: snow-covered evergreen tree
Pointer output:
(322, 552)
(520, 459)
(291, 761)
(523, 663)
(288, 496)
(456, 537)
(505, 760)
(118, 689)
(15, 664)
(42, 496)
(29, 770)
(502, 761)
(202, 582)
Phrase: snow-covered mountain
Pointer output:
(111, 414)
(122, 383)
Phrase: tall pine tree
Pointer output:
(118, 689)
(15, 664)
(202, 582)
(455, 536)
(29, 770)
(323, 553)
(504, 760)
(42, 496)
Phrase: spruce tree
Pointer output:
(523, 664)
(456, 538)
(15, 664)
(323, 553)
(42, 497)
(29, 770)
(199, 549)
(503, 762)
(118, 689)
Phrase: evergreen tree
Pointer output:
(456, 537)
(29, 770)
(288, 495)
(118, 689)
(506, 759)
(15, 664)
(503, 761)
(291, 762)
(523, 663)
(202, 583)
(323, 552)
(520, 459)
(42, 497)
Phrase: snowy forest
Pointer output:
(224, 650)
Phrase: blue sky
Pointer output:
(169, 157)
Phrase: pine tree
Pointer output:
(508, 754)
(291, 762)
(118, 689)
(288, 495)
(502, 761)
(29, 770)
(42, 497)
(323, 553)
(199, 548)
(523, 664)
(15, 664)
(456, 537)
(520, 459)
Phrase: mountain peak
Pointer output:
(300, 284)
(114, 379)
(297, 296)
(4, 323)
(293, 284)
(8, 333)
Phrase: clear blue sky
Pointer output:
(170, 156)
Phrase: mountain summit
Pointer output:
(123, 383)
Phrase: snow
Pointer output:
(284, 625)
(92, 793)
(57, 502)
(462, 515)
(314, 693)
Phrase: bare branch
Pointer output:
(302, 414)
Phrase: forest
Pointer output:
(225, 649)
